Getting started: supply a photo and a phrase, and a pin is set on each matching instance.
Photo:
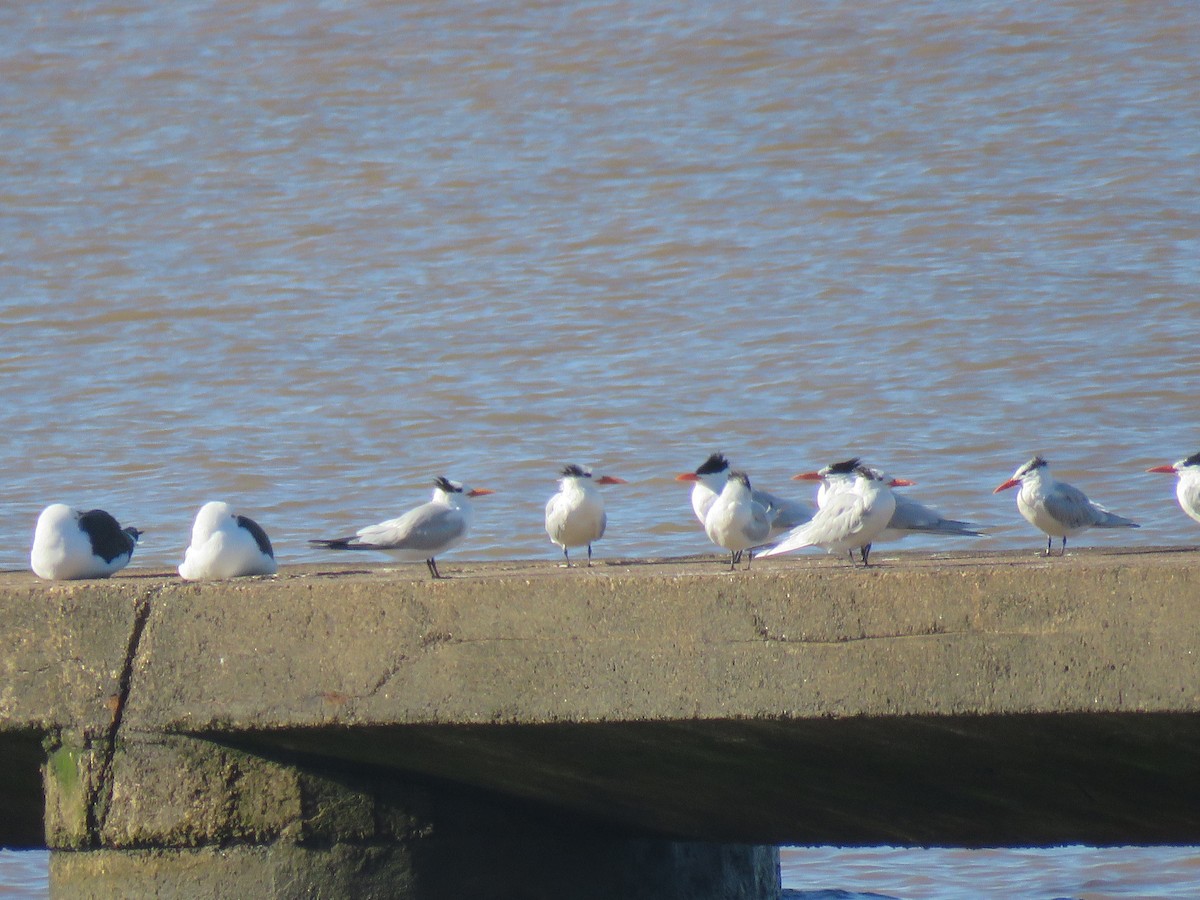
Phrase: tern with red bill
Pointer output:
(710, 478)
(736, 521)
(1059, 509)
(575, 516)
(857, 508)
(420, 534)
(1187, 489)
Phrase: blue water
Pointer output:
(305, 258)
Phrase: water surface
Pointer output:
(304, 257)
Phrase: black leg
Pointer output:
(737, 556)
(1049, 543)
(589, 556)
(1064, 549)
(566, 557)
(865, 551)
(433, 570)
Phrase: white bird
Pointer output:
(575, 515)
(1057, 508)
(226, 545)
(69, 544)
(736, 521)
(709, 480)
(1187, 489)
(423, 533)
(857, 509)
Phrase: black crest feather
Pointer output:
(574, 471)
(714, 464)
(445, 484)
(845, 467)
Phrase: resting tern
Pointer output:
(69, 544)
(912, 516)
(1187, 490)
(856, 510)
(709, 480)
(226, 545)
(422, 533)
(736, 521)
(575, 515)
(1057, 508)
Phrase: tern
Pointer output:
(575, 515)
(1187, 490)
(912, 516)
(1057, 508)
(69, 544)
(226, 545)
(736, 521)
(423, 533)
(709, 480)
(858, 507)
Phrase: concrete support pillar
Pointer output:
(170, 816)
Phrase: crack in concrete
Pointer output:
(101, 800)
(852, 639)
(387, 676)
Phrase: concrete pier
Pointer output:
(636, 729)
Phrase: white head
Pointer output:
(452, 492)
(1036, 469)
(212, 517)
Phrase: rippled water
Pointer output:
(1081, 873)
(303, 257)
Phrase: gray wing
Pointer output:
(911, 515)
(603, 524)
(783, 513)
(1071, 507)
(429, 527)
(760, 523)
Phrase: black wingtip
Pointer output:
(332, 543)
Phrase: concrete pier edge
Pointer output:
(663, 724)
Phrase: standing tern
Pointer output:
(226, 545)
(575, 515)
(1187, 490)
(857, 508)
(422, 533)
(69, 544)
(1057, 508)
(710, 478)
(736, 521)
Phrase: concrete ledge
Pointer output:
(964, 700)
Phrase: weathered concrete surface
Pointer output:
(959, 700)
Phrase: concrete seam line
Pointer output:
(98, 805)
